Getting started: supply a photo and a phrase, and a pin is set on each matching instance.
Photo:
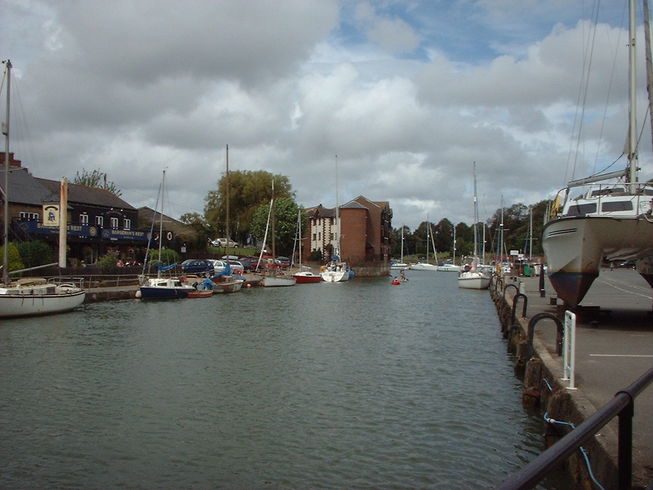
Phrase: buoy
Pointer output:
(138, 293)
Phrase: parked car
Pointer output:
(249, 263)
(237, 268)
(284, 262)
(218, 265)
(197, 266)
(223, 242)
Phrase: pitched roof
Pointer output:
(23, 187)
(146, 215)
(84, 194)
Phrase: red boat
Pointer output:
(200, 294)
(306, 277)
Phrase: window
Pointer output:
(617, 206)
(331, 236)
(581, 209)
(83, 219)
(25, 216)
(319, 236)
(99, 220)
(128, 224)
(114, 223)
(314, 236)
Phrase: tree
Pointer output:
(96, 178)
(13, 257)
(285, 225)
(35, 253)
(247, 191)
(202, 228)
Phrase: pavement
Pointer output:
(614, 347)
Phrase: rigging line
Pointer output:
(585, 90)
(624, 10)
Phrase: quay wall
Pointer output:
(372, 269)
(541, 372)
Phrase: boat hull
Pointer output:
(575, 248)
(277, 281)
(16, 305)
(423, 266)
(158, 292)
(473, 280)
(307, 277)
(335, 276)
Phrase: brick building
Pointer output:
(365, 228)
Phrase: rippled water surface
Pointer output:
(359, 384)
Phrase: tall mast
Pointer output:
(501, 233)
(649, 61)
(227, 198)
(5, 231)
(427, 238)
(274, 254)
(475, 215)
(338, 229)
(163, 186)
(632, 133)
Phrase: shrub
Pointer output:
(13, 256)
(35, 253)
(107, 263)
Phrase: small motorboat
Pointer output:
(200, 294)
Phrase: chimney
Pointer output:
(12, 162)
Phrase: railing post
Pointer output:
(625, 456)
(569, 350)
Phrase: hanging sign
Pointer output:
(51, 215)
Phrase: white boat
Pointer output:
(231, 285)
(33, 296)
(336, 270)
(401, 265)
(426, 266)
(448, 268)
(278, 281)
(608, 222)
(472, 276)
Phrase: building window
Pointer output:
(128, 224)
(25, 216)
(319, 236)
(331, 236)
(314, 236)
(99, 220)
(114, 223)
(83, 219)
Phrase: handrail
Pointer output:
(622, 405)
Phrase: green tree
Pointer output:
(13, 257)
(202, 228)
(35, 253)
(96, 178)
(247, 191)
(285, 225)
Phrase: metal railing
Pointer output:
(622, 406)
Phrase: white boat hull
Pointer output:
(335, 276)
(398, 266)
(473, 280)
(448, 268)
(576, 246)
(278, 281)
(15, 302)
(423, 266)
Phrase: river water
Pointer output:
(350, 385)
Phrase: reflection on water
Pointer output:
(358, 384)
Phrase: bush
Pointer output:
(35, 253)
(107, 263)
(167, 256)
(13, 256)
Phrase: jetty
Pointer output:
(613, 348)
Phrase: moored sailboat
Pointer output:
(609, 222)
(472, 276)
(33, 296)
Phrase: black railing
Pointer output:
(622, 405)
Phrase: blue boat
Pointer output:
(164, 288)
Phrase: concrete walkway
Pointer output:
(614, 347)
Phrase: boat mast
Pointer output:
(274, 254)
(402, 244)
(632, 133)
(427, 238)
(649, 61)
(475, 216)
(501, 233)
(163, 185)
(338, 229)
(227, 198)
(5, 193)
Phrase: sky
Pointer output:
(407, 94)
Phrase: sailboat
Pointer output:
(336, 270)
(162, 287)
(33, 296)
(472, 276)
(608, 222)
(426, 266)
(401, 265)
(305, 275)
(272, 276)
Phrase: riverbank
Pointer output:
(614, 346)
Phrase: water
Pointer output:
(356, 385)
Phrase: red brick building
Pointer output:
(365, 228)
